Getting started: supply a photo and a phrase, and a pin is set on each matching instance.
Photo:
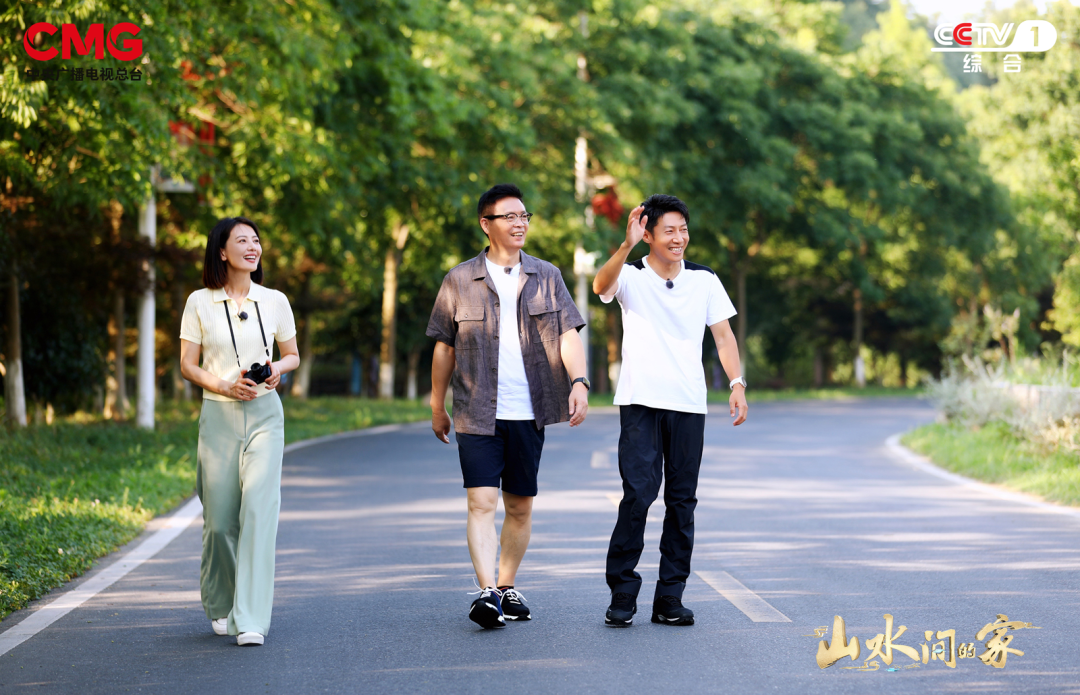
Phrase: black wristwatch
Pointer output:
(588, 385)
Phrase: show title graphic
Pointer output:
(1030, 36)
(94, 40)
(947, 650)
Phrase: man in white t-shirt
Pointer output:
(666, 304)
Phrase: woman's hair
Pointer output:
(215, 271)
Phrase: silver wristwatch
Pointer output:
(738, 380)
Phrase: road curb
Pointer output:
(906, 455)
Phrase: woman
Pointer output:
(242, 428)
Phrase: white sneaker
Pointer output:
(245, 639)
(221, 626)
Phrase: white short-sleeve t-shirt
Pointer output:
(663, 330)
(204, 323)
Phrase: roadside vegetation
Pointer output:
(78, 489)
(1016, 423)
(832, 393)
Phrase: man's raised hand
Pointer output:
(635, 226)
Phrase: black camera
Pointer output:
(259, 373)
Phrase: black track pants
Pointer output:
(656, 444)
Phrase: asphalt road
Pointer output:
(803, 506)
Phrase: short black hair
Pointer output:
(656, 206)
(215, 272)
(495, 194)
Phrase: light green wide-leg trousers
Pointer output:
(239, 483)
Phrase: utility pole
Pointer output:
(584, 263)
(144, 405)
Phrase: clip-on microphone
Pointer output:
(242, 315)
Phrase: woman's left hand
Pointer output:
(271, 382)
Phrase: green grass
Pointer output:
(80, 488)
(832, 393)
(994, 454)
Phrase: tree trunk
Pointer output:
(411, 376)
(860, 366)
(14, 391)
(903, 371)
(356, 376)
(740, 306)
(181, 386)
(116, 402)
(614, 349)
(819, 367)
(600, 383)
(388, 348)
(302, 384)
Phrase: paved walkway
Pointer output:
(803, 515)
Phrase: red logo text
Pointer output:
(94, 40)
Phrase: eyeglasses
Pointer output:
(511, 218)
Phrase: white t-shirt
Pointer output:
(663, 330)
(513, 400)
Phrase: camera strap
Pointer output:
(262, 332)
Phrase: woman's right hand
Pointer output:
(243, 389)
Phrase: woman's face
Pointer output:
(242, 250)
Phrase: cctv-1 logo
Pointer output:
(130, 49)
(1031, 36)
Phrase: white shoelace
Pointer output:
(481, 591)
(514, 595)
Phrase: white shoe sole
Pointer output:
(220, 626)
(249, 639)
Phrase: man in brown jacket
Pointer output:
(507, 333)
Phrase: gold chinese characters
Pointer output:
(886, 645)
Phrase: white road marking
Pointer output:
(755, 607)
(69, 601)
(174, 526)
(600, 459)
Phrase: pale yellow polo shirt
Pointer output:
(204, 324)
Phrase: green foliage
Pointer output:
(1065, 315)
(74, 492)
(825, 168)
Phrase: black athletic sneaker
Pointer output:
(670, 611)
(621, 611)
(486, 611)
(513, 605)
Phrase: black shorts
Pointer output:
(510, 456)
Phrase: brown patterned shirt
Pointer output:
(466, 317)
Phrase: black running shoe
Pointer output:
(621, 611)
(486, 611)
(513, 605)
(670, 611)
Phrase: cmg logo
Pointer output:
(95, 40)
